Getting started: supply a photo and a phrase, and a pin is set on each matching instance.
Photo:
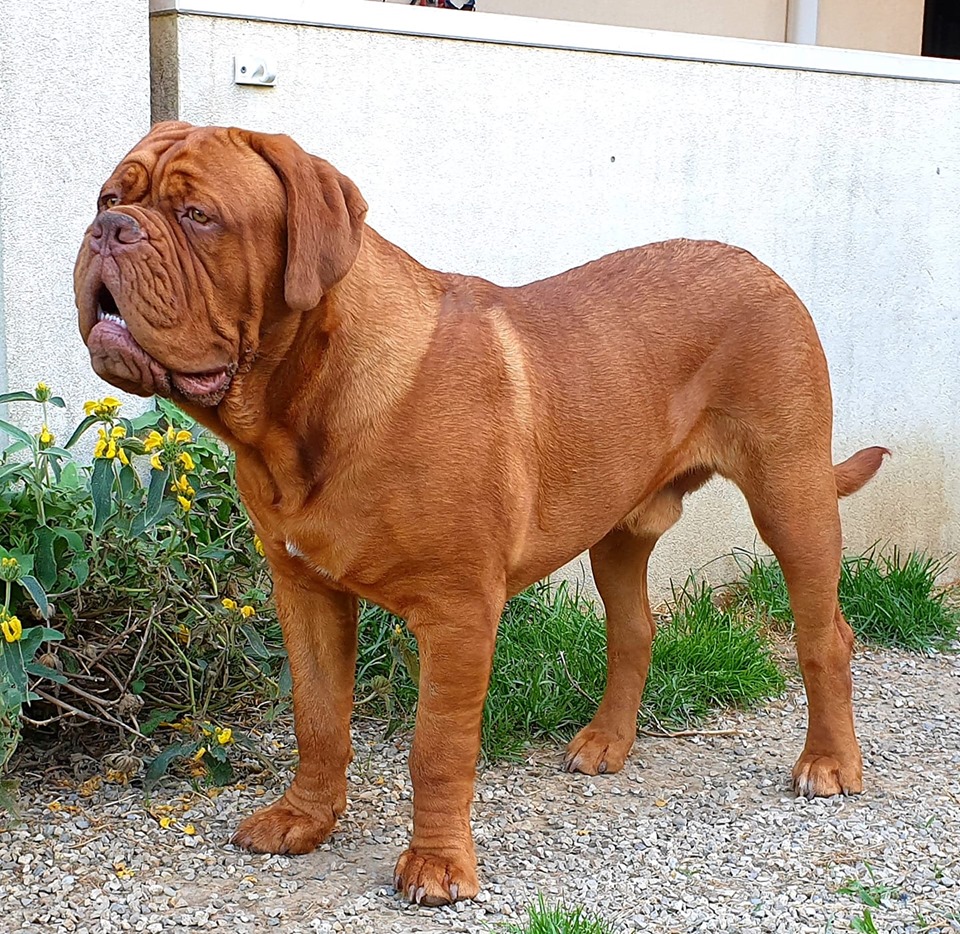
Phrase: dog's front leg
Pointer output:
(320, 633)
(456, 642)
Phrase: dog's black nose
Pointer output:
(114, 227)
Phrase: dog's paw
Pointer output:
(283, 828)
(594, 751)
(429, 879)
(822, 776)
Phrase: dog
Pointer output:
(435, 443)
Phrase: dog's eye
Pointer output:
(109, 201)
(198, 216)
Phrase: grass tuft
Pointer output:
(893, 601)
(550, 667)
(705, 659)
(558, 920)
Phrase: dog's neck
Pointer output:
(358, 353)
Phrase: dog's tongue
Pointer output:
(117, 357)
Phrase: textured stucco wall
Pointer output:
(748, 19)
(74, 95)
(515, 163)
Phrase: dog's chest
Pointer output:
(313, 561)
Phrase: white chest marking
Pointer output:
(294, 551)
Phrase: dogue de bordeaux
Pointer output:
(434, 443)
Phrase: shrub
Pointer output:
(149, 585)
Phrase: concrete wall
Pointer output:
(75, 95)
(514, 163)
(748, 19)
(882, 25)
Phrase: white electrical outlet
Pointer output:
(254, 69)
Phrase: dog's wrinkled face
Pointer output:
(203, 235)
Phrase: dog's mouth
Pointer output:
(118, 358)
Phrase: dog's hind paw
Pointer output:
(823, 776)
(596, 752)
(284, 828)
(430, 879)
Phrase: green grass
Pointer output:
(889, 600)
(550, 667)
(706, 659)
(557, 920)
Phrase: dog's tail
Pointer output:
(855, 471)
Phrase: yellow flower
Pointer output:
(120, 868)
(258, 545)
(165, 822)
(111, 451)
(11, 627)
(171, 434)
(200, 753)
(183, 486)
(155, 462)
(122, 457)
(153, 440)
(226, 602)
(224, 736)
(46, 437)
(183, 437)
(247, 611)
(183, 634)
(187, 461)
(104, 408)
(189, 830)
(184, 503)
(117, 432)
(42, 392)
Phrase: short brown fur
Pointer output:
(435, 443)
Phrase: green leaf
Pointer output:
(73, 539)
(42, 671)
(80, 430)
(16, 671)
(17, 397)
(159, 765)
(17, 471)
(221, 773)
(285, 681)
(80, 567)
(148, 419)
(101, 488)
(15, 432)
(33, 636)
(257, 647)
(46, 562)
(158, 483)
(57, 401)
(158, 716)
(128, 481)
(32, 586)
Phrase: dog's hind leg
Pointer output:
(794, 506)
(619, 562)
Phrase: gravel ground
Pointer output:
(695, 834)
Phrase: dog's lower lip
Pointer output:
(198, 385)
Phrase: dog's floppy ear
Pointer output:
(325, 213)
